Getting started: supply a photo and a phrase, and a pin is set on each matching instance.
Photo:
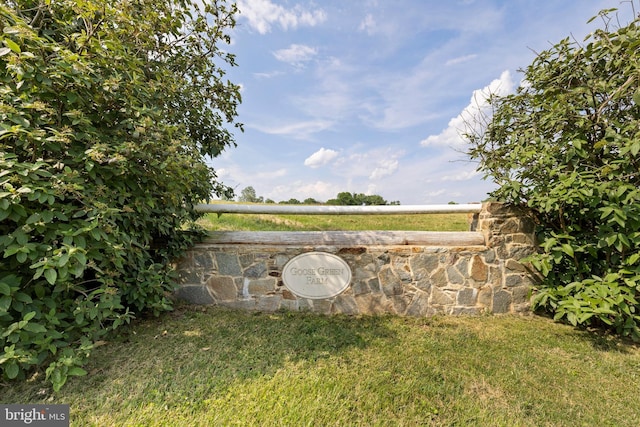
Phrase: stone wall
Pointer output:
(404, 279)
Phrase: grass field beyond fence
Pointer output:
(217, 367)
(262, 222)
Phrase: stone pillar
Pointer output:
(509, 237)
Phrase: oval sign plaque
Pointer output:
(316, 275)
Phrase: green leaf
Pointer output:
(606, 211)
(12, 250)
(5, 303)
(633, 259)
(51, 275)
(23, 297)
(35, 328)
(21, 256)
(46, 216)
(11, 369)
(80, 318)
(81, 258)
(64, 258)
(5, 289)
(39, 290)
(12, 45)
(35, 217)
(57, 378)
(567, 249)
(21, 237)
(76, 371)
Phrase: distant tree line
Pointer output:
(345, 198)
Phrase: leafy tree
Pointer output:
(567, 146)
(108, 108)
(346, 198)
(248, 194)
(290, 202)
(311, 201)
(371, 200)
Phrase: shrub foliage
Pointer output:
(567, 145)
(108, 109)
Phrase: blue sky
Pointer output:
(367, 96)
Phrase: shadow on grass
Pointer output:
(605, 340)
(194, 351)
(270, 337)
(601, 338)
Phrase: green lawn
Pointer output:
(210, 367)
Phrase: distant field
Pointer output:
(260, 222)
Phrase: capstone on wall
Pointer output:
(407, 279)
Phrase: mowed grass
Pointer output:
(218, 367)
(262, 222)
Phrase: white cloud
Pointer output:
(234, 174)
(335, 94)
(460, 59)
(319, 190)
(267, 75)
(320, 158)
(311, 18)
(384, 168)
(271, 174)
(368, 24)
(436, 193)
(371, 189)
(222, 173)
(435, 197)
(403, 98)
(373, 164)
(298, 130)
(262, 14)
(295, 54)
(473, 116)
(461, 176)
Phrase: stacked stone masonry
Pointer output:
(408, 280)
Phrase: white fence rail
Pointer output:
(274, 209)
